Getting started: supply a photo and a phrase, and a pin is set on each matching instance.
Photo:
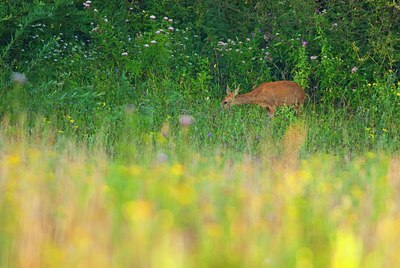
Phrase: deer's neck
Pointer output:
(245, 99)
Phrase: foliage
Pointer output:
(115, 150)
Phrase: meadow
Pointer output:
(115, 150)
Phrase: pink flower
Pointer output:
(354, 70)
(186, 120)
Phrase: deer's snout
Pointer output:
(225, 104)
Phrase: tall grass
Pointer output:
(62, 205)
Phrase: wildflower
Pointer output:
(161, 157)
(105, 20)
(186, 120)
(171, 28)
(209, 134)
(124, 54)
(384, 130)
(304, 43)
(248, 39)
(313, 57)
(220, 43)
(152, 17)
(398, 94)
(87, 4)
(170, 20)
(158, 32)
(19, 78)
(153, 41)
(165, 18)
(354, 70)
(146, 45)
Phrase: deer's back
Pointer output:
(279, 93)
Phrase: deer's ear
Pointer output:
(236, 91)
(228, 90)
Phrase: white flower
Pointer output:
(313, 57)
(152, 17)
(124, 54)
(153, 41)
(165, 18)
(171, 28)
(158, 32)
(146, 45)
(19, 78)
(170, 20)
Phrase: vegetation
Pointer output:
(115, 151)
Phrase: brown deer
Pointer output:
(268, 95)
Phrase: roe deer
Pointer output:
(268, 95)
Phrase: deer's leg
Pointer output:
(297, 107)
(271, 111)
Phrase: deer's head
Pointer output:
(229, 99)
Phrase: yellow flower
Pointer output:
(398, 94)
(384, 130)
(13, 160)
(138, 210)
(184, 194)
(347, 250)
(177, 169)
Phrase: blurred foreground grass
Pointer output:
(66, 206)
